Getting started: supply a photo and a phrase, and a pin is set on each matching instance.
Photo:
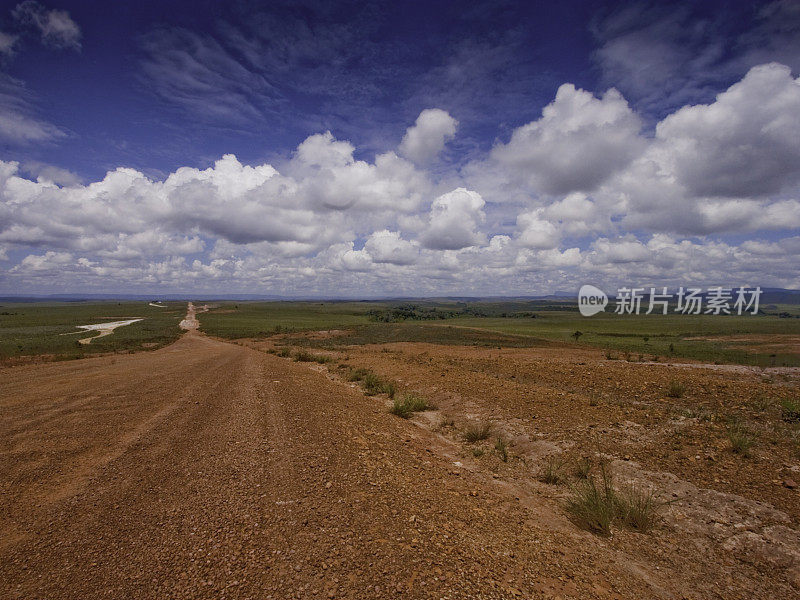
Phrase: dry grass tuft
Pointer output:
(596, 504)
(676, 389)
(740, 438)
(501, 447)
(476, 432)
(552, 471)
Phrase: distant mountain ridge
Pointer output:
(768, 296)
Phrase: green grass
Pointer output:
(407, 405)
(261, 319)
(637, 508)
(357, 374)
(375, 385)
(432, 333)
(593, 504)
(583, 467)
(625, 337)
(37, 328)
(667, 334)
(303, 356)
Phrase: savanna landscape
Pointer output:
(442, 448)
(368, 300)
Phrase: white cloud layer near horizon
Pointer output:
(579, 194)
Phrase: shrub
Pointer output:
(284, 353)
(390, 388)
(676, 389)
(372, 383)
(400, 408)
(475, 432)
(305, 356)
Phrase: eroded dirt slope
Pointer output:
(727, 526)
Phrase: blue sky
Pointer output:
(157, 87)
(418, 147)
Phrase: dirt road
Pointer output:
(210, 470)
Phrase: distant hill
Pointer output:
(769, 296)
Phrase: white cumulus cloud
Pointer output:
(426, 138)
(579, 141)
(453, 221)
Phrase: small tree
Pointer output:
(577, 335)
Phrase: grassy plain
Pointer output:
(233, 320)
(49, 328)
(705, 338)
(722, 339)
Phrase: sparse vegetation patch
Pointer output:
(595, 504)
(410, 403)
(676, 389)
(740, 437)
(375, 385)
(476, 432)
(790, 410)
(357, 374)
(637, 508)
(501, 447)
(552, 471)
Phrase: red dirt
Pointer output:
(212, 470)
